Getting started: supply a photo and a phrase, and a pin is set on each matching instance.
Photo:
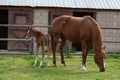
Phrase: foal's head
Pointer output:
(29, 33)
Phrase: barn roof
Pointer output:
(85, 4)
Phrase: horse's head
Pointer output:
(99, 60)
(29, 33)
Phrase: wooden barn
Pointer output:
(42, 12)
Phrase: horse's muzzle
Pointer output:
(102, 69)
(26, 37)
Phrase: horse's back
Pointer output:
(57, 23)
(75, 28)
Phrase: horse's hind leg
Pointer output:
(49, 49)
(54, 45)
(62, 50)
(84, 55)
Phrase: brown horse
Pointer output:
(84, 30)
(41, 40)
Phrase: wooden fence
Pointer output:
(31, 44)
(23, 39)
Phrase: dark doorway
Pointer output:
(77, 46)
(3, 30)
(81, 14)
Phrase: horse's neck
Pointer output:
(98, 45)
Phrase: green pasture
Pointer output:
(21, 68)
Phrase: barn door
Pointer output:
(19, 17)
(3, 30)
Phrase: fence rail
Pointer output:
(13, 25)
(21, 26)
(13, 39)
(47, 26)
(111, 41)
(115, 28)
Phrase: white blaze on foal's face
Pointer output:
(28, 35)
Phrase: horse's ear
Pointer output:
(30, 28)
(104, 54)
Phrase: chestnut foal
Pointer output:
(41, 40)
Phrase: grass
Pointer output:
(21, 68)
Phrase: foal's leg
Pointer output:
(84, 55)
(49, 48)
(62, 50)
(37, 49)
(42, 60)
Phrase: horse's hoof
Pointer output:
(42, 66)
(83, 68)
(34, 65)
(55, 66)
(65, 64)
(48, 65)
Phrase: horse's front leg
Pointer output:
(84, 55)
(62, 50)
(42, 60)
(54, 52)
(36, 59)
(54, 45)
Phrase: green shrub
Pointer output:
(117, 54)
(72, 50)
